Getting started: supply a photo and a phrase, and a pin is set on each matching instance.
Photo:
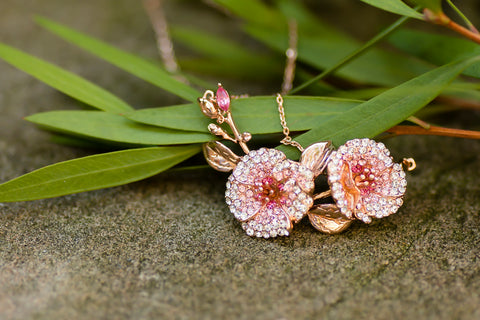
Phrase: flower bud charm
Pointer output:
(208, 107)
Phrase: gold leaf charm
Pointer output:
(327, 218)
(220, 157)
(315, 157)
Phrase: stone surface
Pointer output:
(169, 248)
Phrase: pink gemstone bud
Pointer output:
(223, 99)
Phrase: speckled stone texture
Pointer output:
(168, 247)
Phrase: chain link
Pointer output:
(286, 131)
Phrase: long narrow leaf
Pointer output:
(354, 55)
(210, 45)
(133, 64)
(374, 67)
(385, 110)
(224, 57)
(74, 141)
(254, 11)
(434, 5)
(436, 48)
(94, 172)
(322, 47)
(113, 127)
(63, 80)
(257, 115)
(224, 68)
(395, 6)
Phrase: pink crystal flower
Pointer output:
(365, 182)
(268, 193)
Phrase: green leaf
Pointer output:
(396, 6)
(353, 55)
(94, 172)
(254, 11)
(385, 110)
(113, 127)
(133, 64)
(224, 68)
(208, 44)
(322, 47)
(438, 11)
(434, 5)
(63, 80)
(374, 67)
(435, 48)
(257, 115)
(77, 142)
(225, 57)
(360, 94)
(308, 23)
(464, 91)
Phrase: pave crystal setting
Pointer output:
(365, 182)
(268, 193)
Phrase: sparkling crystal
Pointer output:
(364, 179)
(265, 190)
(223, 99)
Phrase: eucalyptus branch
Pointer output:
(434, 131)
(464, 18)
(443, 20)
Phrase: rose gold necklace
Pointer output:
(269, 193)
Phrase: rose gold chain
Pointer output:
(286, 131)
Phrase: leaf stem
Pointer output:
(420, 122)
(384, 33)
(434, 131)
(321, 195)
(443, 20)
(464, 31)
(464, 18)
(239, 137)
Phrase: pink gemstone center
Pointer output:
(223, 99)
(270, 192)
(364, 178)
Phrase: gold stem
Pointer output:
(236, 133)
(322, 195)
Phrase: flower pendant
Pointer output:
(269, 193)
